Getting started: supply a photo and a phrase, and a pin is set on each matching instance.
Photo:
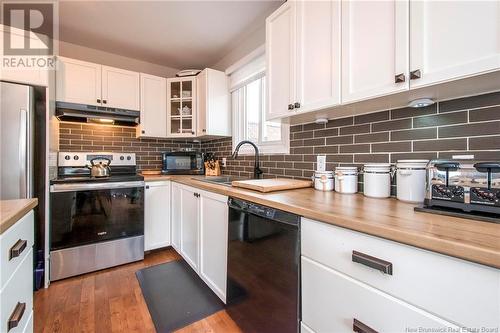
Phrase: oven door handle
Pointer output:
(93, 186)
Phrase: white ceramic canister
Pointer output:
(377, 180)
(410, 180)
(346, 179)
(323, 180)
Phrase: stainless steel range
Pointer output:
(96, 222)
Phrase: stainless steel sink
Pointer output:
(222, 180)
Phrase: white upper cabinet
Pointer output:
(374, 48)
(280, 58)
(213, 112)
(78, 82)
(153, 106)
(318, 55)
(451, 40)
(120, 88)
(181, 107)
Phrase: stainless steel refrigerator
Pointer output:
(17, 116)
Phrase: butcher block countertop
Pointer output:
(387, 218)
(11, 211)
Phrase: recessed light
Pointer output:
(421, 103)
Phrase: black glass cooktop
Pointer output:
(88, 179)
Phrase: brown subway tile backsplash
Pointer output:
(464, 126)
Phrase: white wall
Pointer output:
(247, 45)
(105, 58)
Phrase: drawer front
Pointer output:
(331, 301)
(19, 289)
(456, 290)
(18, 238)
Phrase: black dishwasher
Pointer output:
(263, 269)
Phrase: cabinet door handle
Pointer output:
(290, 107)
(16, 316)
(359, 327)
(98, 100)
(367, 260)
(416, 74)
(17, 249)
(296, 105)
(203, 130)
(147, 187)
(400, 78)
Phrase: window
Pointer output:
(248, 100)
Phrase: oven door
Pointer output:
(89, 213)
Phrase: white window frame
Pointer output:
(238, 107)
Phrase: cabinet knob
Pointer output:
(400, 78)
(359, 327)
(290, 107)
(416, 74)
(104, 101)
(98, 100)
(143, 131)
(147, 187)
(203, 130)
(192, 132)
(296, 105)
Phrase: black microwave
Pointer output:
(182, 163)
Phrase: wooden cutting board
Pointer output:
(270, 185)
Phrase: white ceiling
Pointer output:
(179, 34)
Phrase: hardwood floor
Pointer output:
(110, 301)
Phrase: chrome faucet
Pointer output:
(257, 172)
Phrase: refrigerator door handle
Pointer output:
(23, 138)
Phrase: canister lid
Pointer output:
(347, 170)
(328, 174)
(377, 167)
(410, 164)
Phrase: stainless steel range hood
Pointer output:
(96, 114)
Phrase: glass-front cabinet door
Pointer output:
(181, 107)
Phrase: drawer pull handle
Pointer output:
(16, 316)
(17, 249)
(365, 259)
(359, 327)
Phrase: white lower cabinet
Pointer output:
(16, 285)
(199, 222)
(457, 290)
(190, 226)
(156, 215)
(213, 241)
(176, 204)
(335, 302)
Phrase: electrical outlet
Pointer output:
(224, 161)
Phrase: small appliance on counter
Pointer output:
(467, 186)
(183, 163)
(97, 213)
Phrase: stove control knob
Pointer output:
(129, 158)
(122, 158)
(67, 157)
(76, 157)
